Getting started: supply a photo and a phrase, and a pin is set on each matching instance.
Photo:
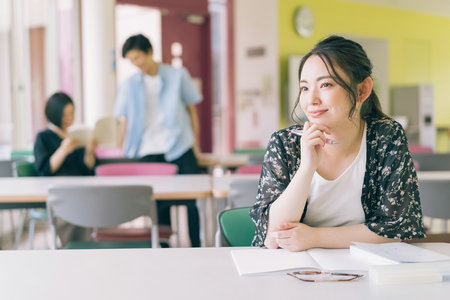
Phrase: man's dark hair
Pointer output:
(136, 42)
(54, 109)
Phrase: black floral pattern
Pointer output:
(390, 194)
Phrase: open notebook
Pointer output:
(260, 261)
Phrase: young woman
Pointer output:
(346, 174)
(55, 154)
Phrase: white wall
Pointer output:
(256, 76)
(131, 20)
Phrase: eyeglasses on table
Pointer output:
(324, 276)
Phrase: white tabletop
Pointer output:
(230, 160)
(178, 273)
(433, 175)
(34, 189)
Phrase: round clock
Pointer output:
(304, 21)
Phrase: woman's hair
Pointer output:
(350, 57)
(54, 109)
(136, 42)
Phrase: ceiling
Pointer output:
(434, 7)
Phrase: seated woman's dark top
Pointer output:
(47, 142)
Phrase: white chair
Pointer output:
(98, 206)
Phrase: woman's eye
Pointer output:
(326, 84)
(303, 88)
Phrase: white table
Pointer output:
(29, 192)
(433, 175)
(34, 189)
(178, 273)
(227, 161)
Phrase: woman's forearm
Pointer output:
(342, 237)
(291, 203)
(57, 159)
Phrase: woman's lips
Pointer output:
(317, 113)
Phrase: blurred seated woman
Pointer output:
(55, 153)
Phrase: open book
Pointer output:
(389, 253)
(260, 261)
(106, 132)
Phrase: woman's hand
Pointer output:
(89, 153)
(312, 142)
(294, 236)
(68, 145)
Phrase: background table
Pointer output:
(177, 273)
(31, 192)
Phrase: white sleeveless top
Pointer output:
(154, 138)
(337, 202)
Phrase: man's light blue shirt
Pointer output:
(176, 94)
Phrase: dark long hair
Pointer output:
(351, 58)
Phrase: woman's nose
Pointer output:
(312, 97)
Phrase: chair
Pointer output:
(242, 194)
(236, 227)
(136, 169)
(249, 169)
(108, 152)
(432, 161)
(99, 206)
(6, 168)
(435, 198)
(435, 202)
(26, 169)
(19, 155)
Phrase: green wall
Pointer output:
(419, 44)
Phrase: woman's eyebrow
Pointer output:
(318, 78)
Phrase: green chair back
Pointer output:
(25, 169)
(107, 245)
(22, 155)
(237, 227)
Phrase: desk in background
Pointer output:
(31, 192)
(177, 273)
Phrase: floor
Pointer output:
(42, 237)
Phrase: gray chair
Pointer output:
(432, 161)
(99, 206)
(6, 168)
(242, 194)
(435, 199)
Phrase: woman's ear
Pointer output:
(365, 89)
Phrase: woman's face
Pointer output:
(322, 99)
(68, 116)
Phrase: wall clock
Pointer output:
(304, 21)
